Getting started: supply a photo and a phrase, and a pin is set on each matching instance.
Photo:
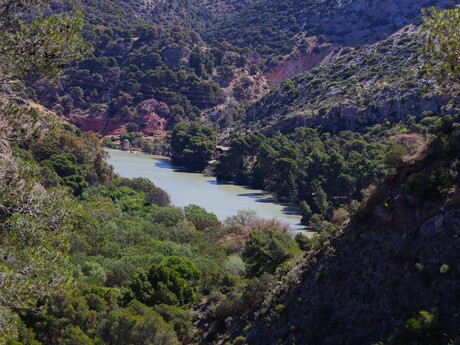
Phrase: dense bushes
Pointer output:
(319, 170)
(171, 282)
(266, 251)
(327, 174)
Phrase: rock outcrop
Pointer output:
(385, 81)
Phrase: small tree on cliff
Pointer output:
(442, 30)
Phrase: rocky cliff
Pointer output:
(384, 81)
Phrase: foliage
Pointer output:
(394, 157)
(113, 232)
(107, 260)
(153, 194)
(201, 219)
(241, 218)
(28, 124)
(71, 174)
(192, 145)
(181, 320)
(240, 304)
(137, 324)
(142, 74)
(35, 226)
(368, 84)
(431, 184)
(35, 44)
(441, 29)
(35, 223)
(306, 166)
(422, 328)
(328, 174)
(266, 251)
(171, 282)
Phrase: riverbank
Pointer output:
(223, 199)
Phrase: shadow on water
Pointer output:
(130, 164)
(221, 183)
(263, 197)
(163, 164)
(166, 164)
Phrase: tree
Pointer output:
(69, 171)
(442, 31)
(137, 324)
(265, 251)
(305, 211)
(35, 225)
(201, 219)
(153, 194)
(193, 145)
(34, 43)
(241, 218)
(320, 198)
(394, 157)
(132, 127)
(171, 282)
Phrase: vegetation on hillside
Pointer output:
(326, 174)
(402, 251)
(441, 29)
(273, 28)
(92, 258)
(35, 43)
(386, 277)
(110, 262)
(385, 81)
(150, 75)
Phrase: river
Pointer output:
(185, 188)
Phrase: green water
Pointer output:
(190, 188)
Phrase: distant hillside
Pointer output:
(192, 14)
(150, 75)
(391, 277)
(175, 56)
(271, 27)
(384, 81)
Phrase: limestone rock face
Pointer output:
(378, 83)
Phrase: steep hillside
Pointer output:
(153, 77)
(392, 276)
(167, 13)
(193, 14)
(384, 81)
(270, 27)
(282, 34)
(156, 75)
